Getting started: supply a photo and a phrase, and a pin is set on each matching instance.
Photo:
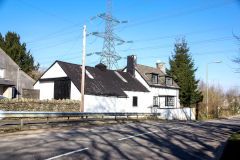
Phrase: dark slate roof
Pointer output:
(143, 70)
(105, 82)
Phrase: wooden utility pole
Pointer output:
(83, 69)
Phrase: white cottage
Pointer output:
(164, 92)
(136, 88)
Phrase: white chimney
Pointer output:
(162, 66)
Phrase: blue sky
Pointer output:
(52, 30)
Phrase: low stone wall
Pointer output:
(40, 105)
(31, 93)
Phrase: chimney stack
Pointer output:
(162, 66)
(131, 64)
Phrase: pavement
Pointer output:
(149, 140)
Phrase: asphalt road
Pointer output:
(151, 140)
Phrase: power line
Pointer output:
(188, 33)
(66, 29)
(71, 58)
(133, 5)
(182, 13)
(109, 56)
(161, 46)
(164, 56)
(57, 33)
(164, 46)
(174, 9)
(56, 44)
(193, 54)
(46, 12)
(192, 43)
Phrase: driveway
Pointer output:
(151, 140)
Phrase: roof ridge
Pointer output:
(73, 64)
(151, 68)
(67, 62)
(146, 66)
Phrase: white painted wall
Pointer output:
(55, 72)
(144, 102)
(177, 113)
(75, 93)
(105, 103)
(94, 103)
(140, 79)
(114, 104)
(157, 91)
(99, 103)
(47, 88)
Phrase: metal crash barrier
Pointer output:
(22, 114)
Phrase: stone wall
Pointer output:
(40, 105)
(31, 93)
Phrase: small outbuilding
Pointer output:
(12, 79)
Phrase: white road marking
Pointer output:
(137, 135)
(67, 154)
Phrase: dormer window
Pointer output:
(168, 81)
(154, 78)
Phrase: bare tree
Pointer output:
(215, 99)
(36, 74)
(232, 96)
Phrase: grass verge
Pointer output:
(231, 151)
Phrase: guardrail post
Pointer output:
(115, 118)
(102, 116)
(47, 120)
(21, 123)
(68, 120)
(137, 116)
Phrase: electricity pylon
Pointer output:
(109, 56)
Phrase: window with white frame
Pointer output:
(154, 78)
(168, 81)
(155, 101)
(169, 101)
(1, 73)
